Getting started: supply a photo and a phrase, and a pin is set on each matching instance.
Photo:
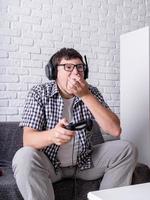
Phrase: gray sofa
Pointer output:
(11, 141)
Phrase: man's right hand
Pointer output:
(60, 135)
(41, 139)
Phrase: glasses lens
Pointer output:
(80, 67)
(69, 67)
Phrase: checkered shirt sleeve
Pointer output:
(33, 114)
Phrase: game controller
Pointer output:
(84, 124)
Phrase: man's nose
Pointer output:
(75, 71)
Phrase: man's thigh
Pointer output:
(102, 155)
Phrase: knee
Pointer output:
(23, 158)
(131, 151)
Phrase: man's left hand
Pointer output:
(78, 86)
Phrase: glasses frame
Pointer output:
(64, 65)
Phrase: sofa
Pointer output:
(11, 141)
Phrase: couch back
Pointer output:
(11, 140)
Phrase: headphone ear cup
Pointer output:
(86, 72)
(50, 71)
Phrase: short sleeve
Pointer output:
(33, 114)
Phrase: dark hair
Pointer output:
(66, 53)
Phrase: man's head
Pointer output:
(67, 54)
(65, 65)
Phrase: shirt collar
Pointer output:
(54, 90)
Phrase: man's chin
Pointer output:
(67, 94)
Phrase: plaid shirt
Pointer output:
(43, 110)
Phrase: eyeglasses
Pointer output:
(70, 67)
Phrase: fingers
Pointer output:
(62, 123)
(62, 135)
(74, 84)
(77, 86)
(62, 139)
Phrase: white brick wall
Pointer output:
(32, 30)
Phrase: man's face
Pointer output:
(63, 76)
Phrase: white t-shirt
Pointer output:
(67, 153)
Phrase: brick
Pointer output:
(113, 103)
(17, 86)
(7, 95)
(9, 32)
(7, 17)
(19, 55)
(41, 13)
(21, 26)
(93, 82)
(46, 51)
(39, 57)
(3, 54)
(2, 118)
(30, 19)
(47, 43)
(9, 78)
(32, 4)
(29, 49)
(112, 76)
(31, 63)
(4, 24)
(9, 62)
(2, 86)
(30, 79)
(18, 10)
(37, 72)
(115, 96)
(22, 95)
(31, 35)
(14, 118)
(19, 71)
(16, 103)
(4, 40)
(106, 83)
(3, 103)
(42, 28)
(22, 41)
(112, 90)
(9, 47)
(8, 111)
(21, 110)
(97, 76)
(2, 70)
(10, 2)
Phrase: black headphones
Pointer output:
(51, 70)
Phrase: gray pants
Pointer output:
(34, 173)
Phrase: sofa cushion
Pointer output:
(8, 187)
(1, 172)
(141, 174)
(10, 141)
(64, 190)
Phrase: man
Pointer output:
(52, 152)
